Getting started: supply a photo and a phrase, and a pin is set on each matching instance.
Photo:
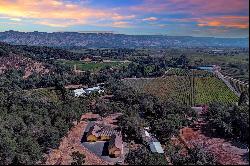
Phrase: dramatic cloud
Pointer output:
(193, 6)
(184, 17)
(205, 13)
(225, 21)
(56, 13)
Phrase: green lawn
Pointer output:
(91, 66)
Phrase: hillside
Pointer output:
(27, 65)
(16, 59)
(33, 59)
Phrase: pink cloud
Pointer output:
(193, 6)
(241, 22)
(150, 19)
(56, 13)
(121, 17)
(216, 13)
(121, 24)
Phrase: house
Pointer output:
(115, 145)
(99, 132)
(94, 89)
(82, 92)
(79, 92)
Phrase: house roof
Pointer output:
(93, 88)
(116, 140)
(100, 130)
(155, 147)
(90, 124)
(88, 89)
(79, 90)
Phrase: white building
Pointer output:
(94, 89)
(79, 92)
(155, 147)
(82, 92)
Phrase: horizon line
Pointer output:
(117, 33)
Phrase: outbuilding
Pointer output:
(156, 147)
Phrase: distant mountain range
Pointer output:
(110, 40)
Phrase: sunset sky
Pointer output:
(220, 18)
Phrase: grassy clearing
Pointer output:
(91, 66)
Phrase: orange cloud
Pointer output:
(55, 13)
(120, 17)
(121, 24)
(59, 24)
(241, 22)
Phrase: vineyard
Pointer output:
(186, 72)
(212, 89)
(188, 90)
